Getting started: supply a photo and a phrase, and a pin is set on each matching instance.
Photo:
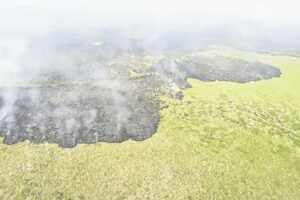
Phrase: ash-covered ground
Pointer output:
(109, 96)
(227, 69)
(82, 113)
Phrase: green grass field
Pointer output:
(221, 141)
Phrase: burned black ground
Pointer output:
(82, 113)
(227, 69)
(115, 107)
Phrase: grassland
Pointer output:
(221, 141)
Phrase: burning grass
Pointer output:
(109, 100)
(223, 140)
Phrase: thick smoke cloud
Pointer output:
(251, 24)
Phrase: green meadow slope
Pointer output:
(223, 140)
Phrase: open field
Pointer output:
(223, 140)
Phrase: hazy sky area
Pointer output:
(264, 24)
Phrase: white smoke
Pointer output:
(46, 41)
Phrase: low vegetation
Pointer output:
(222, 140)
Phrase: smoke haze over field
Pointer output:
(48, 43)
